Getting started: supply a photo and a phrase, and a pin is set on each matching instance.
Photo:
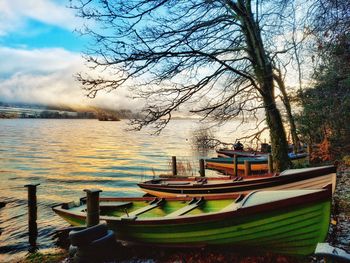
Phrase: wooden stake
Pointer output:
(201, 168)
(270, 163)
(235, 163)
(93, 206)
(32, 213)
(173, 164)
(247, 168)
(309, 151)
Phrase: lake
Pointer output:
(67, 156)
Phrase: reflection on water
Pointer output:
(67, 156)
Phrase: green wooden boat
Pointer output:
(284, 222)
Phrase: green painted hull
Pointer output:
(287, 232)
(286, 226)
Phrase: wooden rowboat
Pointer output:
(287, 222)
(257, 164)
(242, 153)
(306, 178)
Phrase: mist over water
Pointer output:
(67, 156)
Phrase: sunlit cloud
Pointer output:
(46, 76)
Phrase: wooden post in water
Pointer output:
(270, 163)
(32, 213)
(201, 168)
(235, 164)
(173, 165)
(93, 206)
(247, 168)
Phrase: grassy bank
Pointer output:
(59, 255)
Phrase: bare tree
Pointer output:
(327, 20)
(286, 102)
(209, 55)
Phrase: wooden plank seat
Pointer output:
(115, 204)
(238, 178)
(194, 203)
(177, 183)
(200, 181)
(234, 205)
(133, 215)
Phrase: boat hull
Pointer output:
(257, 164)
(309, 178)
(290, 226)
(285, 231)
(232, 153)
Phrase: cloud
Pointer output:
(37, 60)
(46, 76)
(14, 13)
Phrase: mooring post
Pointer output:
(32, 213)
(247, 168)
(201, 167)
(93, 206)
(173, 165)
(309, 151)
(235, 164)
(270, 163)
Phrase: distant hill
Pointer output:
(23, 110)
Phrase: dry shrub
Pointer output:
(184, 167)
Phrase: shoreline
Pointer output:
(337, 231)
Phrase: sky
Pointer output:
(41, 51)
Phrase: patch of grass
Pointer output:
(39, 257)
(346, 160)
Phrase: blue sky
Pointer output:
(36, 34)
(40, 53)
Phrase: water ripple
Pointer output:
(68, 156)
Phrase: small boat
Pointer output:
(284, 222)
(305, 178)
(257, 164)
(239, 153)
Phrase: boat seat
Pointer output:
(194, 203)
(231, 207)
(177, 183)
(133, 215)
(238, 178)
(200, 182)
(70, 205)
(114, 204)
(236, 204)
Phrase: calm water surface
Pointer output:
(67, 156)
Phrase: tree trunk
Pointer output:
(264, 74)
(279, 146)
(285, 100)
